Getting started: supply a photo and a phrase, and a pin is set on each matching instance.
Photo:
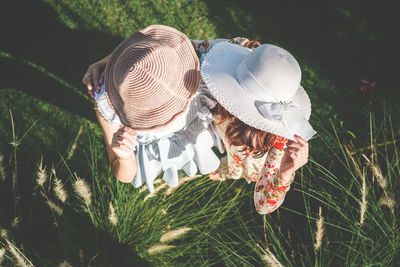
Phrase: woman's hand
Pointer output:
(296, 156)
(124, 142)
(94, 76)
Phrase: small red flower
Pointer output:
(367, 86)
(272, 201)
(279, 145)
(281, 188)
(238, 160)
(261, 202)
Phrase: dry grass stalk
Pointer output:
(364, 202)
(270, 259)
(112, 217)
(158, 189)
(183, 180)
(159, 249)
(41, 174)
(57, 209)
(15, 222)
(2, 169)
(157, 181)
(74, 145)
(83, 190)
(190, 178)
(172, 235)
(353, 161)
(171, 189)
(144, 188)
(319, 233)
(20, 258)
(355, 151)
(65, 264)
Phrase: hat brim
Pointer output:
(160, 116)
(218, 71)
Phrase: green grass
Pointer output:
(45, 112)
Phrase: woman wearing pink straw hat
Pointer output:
(256, 111)
(143, 108)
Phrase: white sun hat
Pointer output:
(261, 88)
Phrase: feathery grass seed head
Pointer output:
(20, 258)
(159, 249)
(65, 264)
(15, 222)
(83, 190)
(319, 233)
(41, 176)
(388, 201)
(3, 233)
(112, 217)
(2, 253)
(57, 209)
(171, 235)
(376, 171)
(364, 202)
(59, 190)
(270, 259)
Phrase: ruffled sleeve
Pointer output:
(203, 46)
(269, 191)
(104, 108)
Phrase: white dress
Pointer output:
(188, 149)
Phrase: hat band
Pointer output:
(288, 113)
(251, 84)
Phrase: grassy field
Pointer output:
(343, 208)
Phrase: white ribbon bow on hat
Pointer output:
(291, 116)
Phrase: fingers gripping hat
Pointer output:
(151, 77)
(261, 88)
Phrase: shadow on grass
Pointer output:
(342, 41)
(346, 39)
(34, 33)
(72, 238)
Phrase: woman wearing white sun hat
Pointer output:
(261, 113)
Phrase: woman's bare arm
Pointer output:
(120, 143)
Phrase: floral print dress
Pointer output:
(269, 190)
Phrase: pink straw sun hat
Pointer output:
(151, 77)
